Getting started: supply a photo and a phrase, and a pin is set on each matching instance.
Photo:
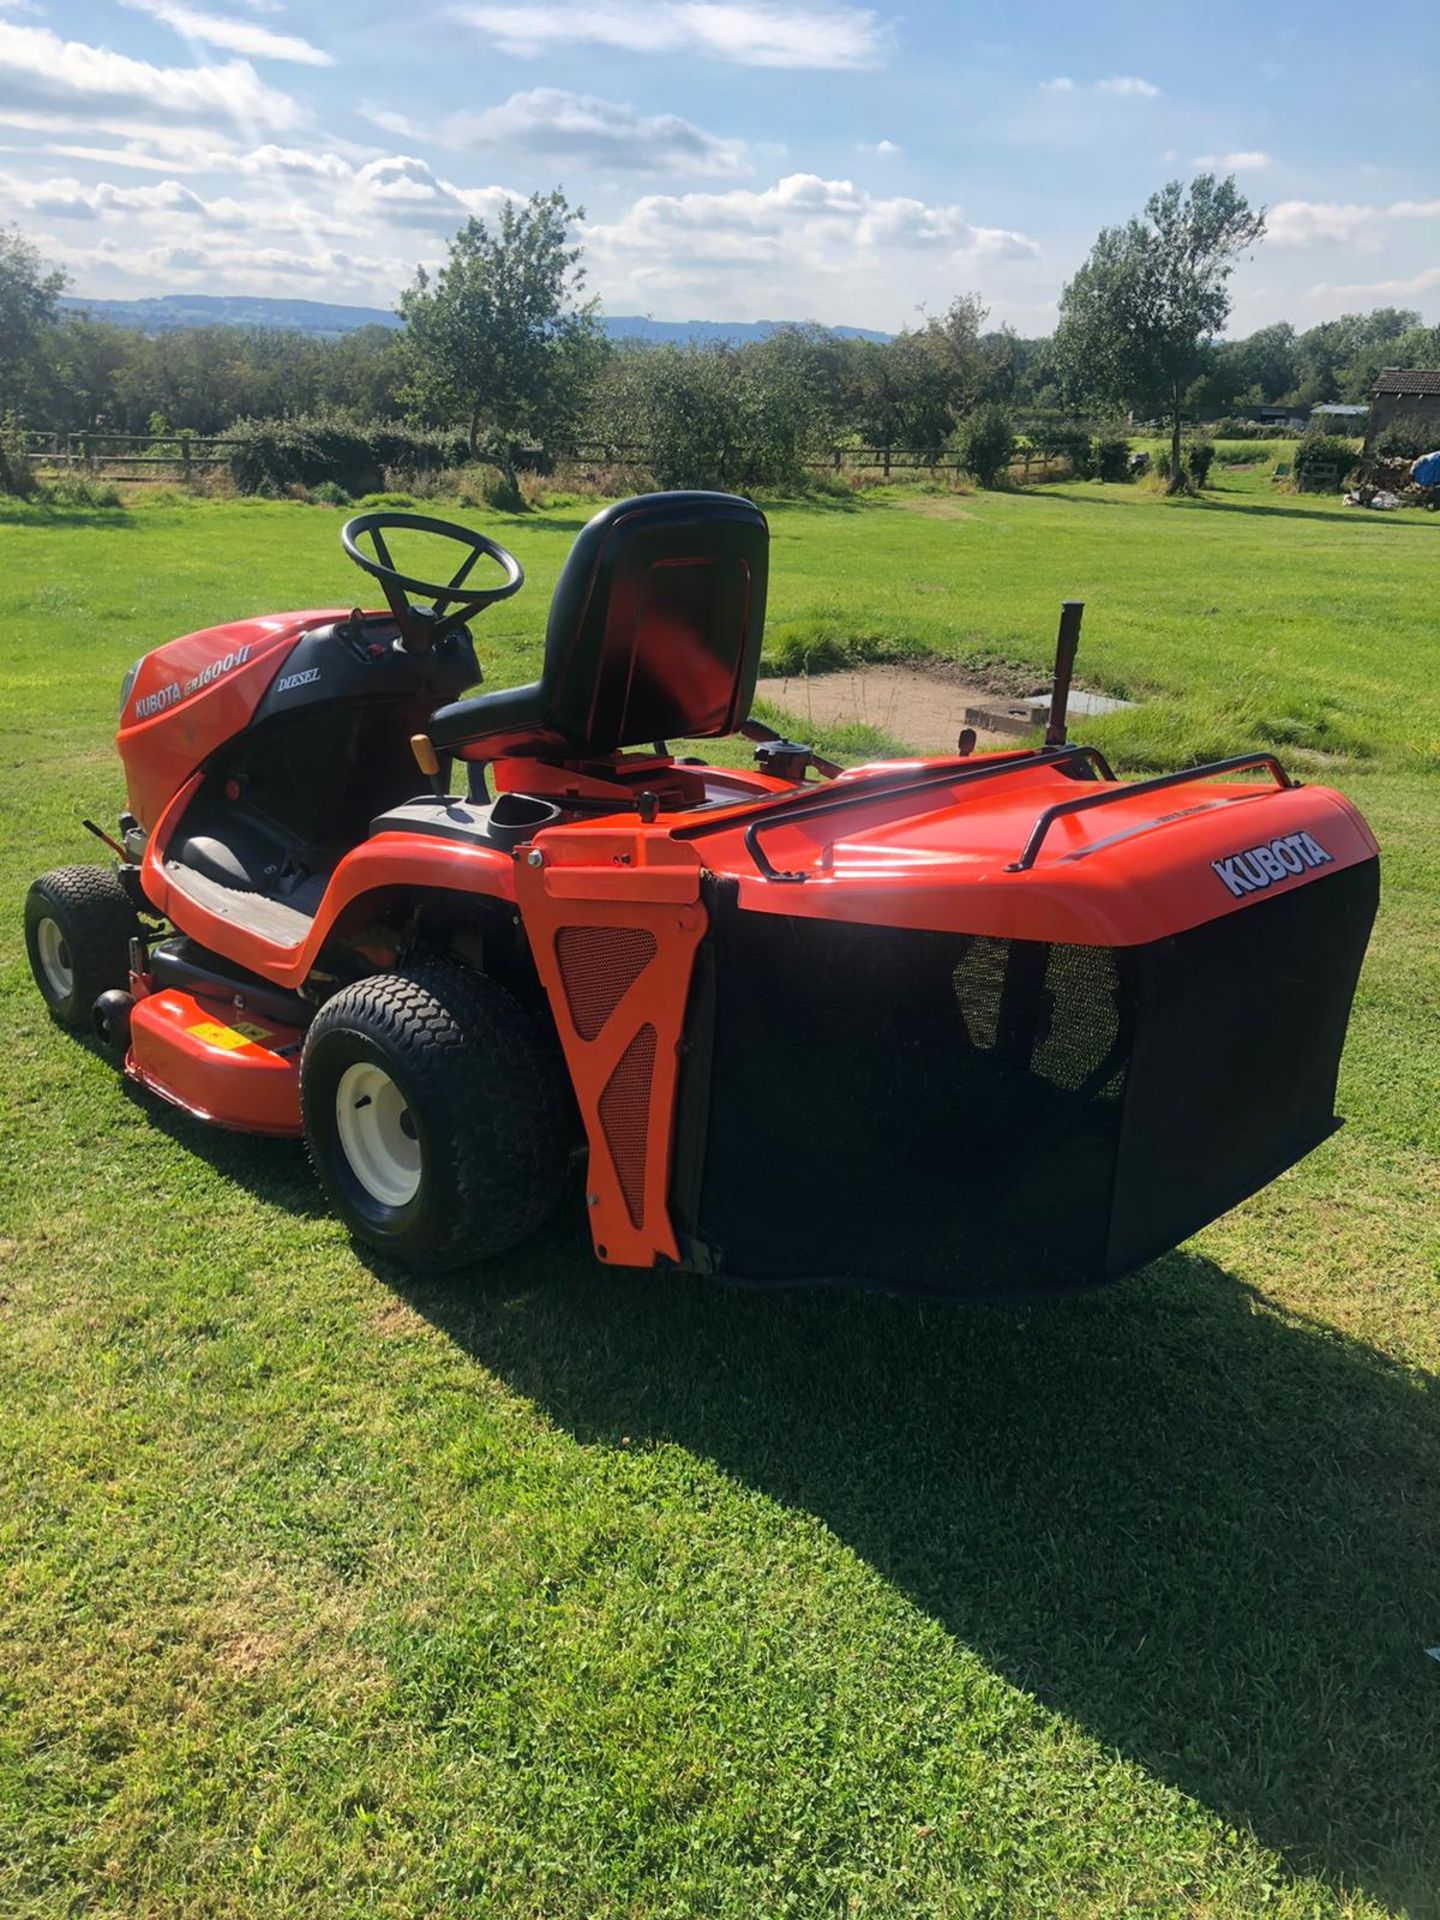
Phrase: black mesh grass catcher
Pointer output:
(938, 1113)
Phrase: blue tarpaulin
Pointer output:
(1426, 470)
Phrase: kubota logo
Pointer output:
(1273, 860)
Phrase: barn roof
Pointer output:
(1403, 380)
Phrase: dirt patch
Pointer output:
(394, 1319)
(936, 507)
(248, 1653)
(925, 710)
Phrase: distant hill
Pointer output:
(170, 310)
(325, 320)
(734, 333)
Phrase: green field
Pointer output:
(562, 1592)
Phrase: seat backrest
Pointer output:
(654, 632)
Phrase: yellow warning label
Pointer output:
(214, 1035)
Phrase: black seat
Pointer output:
(654, 631)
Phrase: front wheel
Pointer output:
(78, 927)
(434, 1114)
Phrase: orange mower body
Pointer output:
(980, 1025)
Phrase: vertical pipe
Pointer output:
(1066, 642)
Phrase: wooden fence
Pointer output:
(137, 458)
(1027, 462)
(133, 457)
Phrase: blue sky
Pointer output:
(737, 159)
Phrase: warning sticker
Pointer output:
(216, 1035)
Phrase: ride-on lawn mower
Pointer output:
(980, 1025)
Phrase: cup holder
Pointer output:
(517, 817)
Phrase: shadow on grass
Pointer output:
(1206, 503)
(275, 1168)
(40, 513)
(1208, 1534)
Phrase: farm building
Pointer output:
(1337, 418)
(1403, 396)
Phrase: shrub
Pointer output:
(17, 476)
(1232, 428)
(330, 493)
(270, 455)
(1112, 457)
(984, 442)
(1068, 440)
(1199, 456)
(1318, 451)
(711, 416)
(73, 490)
(503, 495)
(1406, 438)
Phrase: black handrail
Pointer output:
(1125, 790)
(953, 774)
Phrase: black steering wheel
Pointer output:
(454, 602)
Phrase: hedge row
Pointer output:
(270, 455)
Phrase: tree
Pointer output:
(499, 337)
(1136, 320)
(914, 390)
(28, 296)
(714, 416)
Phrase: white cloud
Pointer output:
(1311, 223)
(403, 189)
(751, 33)
(183, 153)
(232, 36)
(550, 121)
(1371, 291)
(70, 200)
(1248, 160)
(1414, 210)
(882, 149)
(312, 163)
(73, 83)
(802, 232)
(1126, 85)
(389, 121)
(1129, 86)
(233, 263)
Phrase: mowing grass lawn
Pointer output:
(556, 1591)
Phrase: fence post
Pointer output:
(185, 458)
(885, 462)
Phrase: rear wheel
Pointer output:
(78, 927)
(435, 1115)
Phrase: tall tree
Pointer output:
(1136, 320)
(28, 295)
(500, 337)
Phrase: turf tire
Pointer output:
(485, 1104)
(89, 913)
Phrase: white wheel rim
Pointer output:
(376, 1134)
(55, 959)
